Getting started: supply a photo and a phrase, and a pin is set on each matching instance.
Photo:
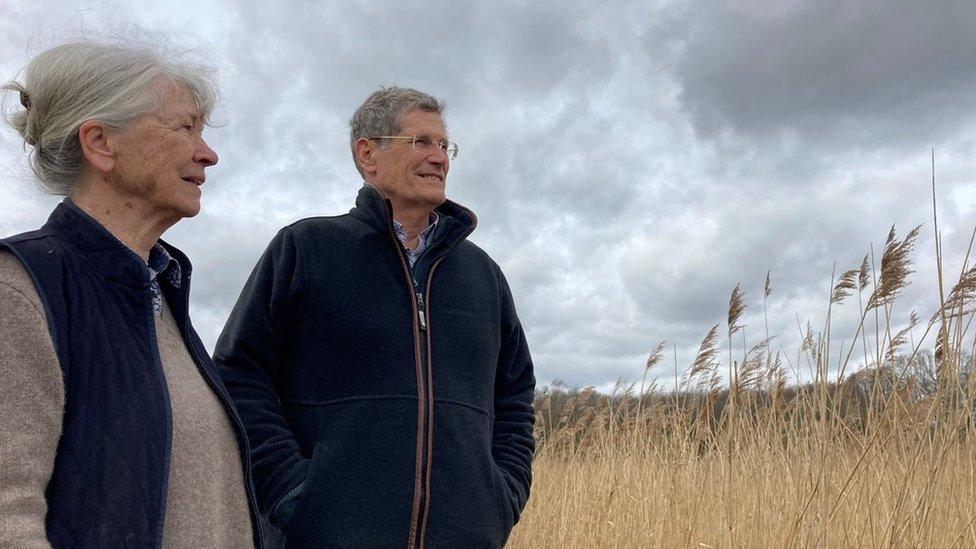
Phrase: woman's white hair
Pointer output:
(111, 82)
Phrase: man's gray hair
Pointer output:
(382, 114)
(111, 82)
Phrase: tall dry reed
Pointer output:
(876, 447)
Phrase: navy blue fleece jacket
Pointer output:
(386, 406)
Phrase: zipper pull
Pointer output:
(420, 311)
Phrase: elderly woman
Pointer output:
(115, 430)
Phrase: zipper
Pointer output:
(424, 424)
(238, 424)
(425, 391)
(425, 501)
(430, 409)
(168, 442)
(419, 323)
(421, 312)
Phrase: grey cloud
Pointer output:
(836, 74)
(629, 163)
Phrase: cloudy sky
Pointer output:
(629, 163)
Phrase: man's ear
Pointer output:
(365, 151)
(96, 146)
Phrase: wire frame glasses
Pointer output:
(425, 144)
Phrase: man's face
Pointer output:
(414, 176)
(162, 156)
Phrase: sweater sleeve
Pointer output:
(252, 356)
(31, 408)
(512, 440)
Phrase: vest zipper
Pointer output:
(168, 443)
(231, 413)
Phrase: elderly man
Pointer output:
(378, 362)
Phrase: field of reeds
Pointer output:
(874, 446)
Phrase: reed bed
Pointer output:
(875, 447)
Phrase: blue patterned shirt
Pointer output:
(161, 264)
(423, 239)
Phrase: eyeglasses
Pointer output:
(425, 144)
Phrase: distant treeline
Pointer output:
(911, 386)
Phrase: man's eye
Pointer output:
(443, 145)
(422, 141)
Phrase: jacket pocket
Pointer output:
(503, 496)
(359, 489)
(468, 497)
(283, 511)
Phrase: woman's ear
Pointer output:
(96, 146)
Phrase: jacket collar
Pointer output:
(99, 248)
(376, 211)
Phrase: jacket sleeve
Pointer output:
(512, 440)
(31, 408)
(252, 355)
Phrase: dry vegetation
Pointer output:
(877, 447)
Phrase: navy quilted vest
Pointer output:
(108, 487)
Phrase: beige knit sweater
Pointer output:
(206, 500)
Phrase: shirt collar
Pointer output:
(161, 262)
(402, 232)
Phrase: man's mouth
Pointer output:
(194, 180)
(432, 177)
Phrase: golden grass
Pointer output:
(911, 487)
(883, 457)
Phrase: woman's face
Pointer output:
(161, 157)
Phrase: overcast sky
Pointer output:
(629, 162)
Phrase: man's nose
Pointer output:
(438, 155)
